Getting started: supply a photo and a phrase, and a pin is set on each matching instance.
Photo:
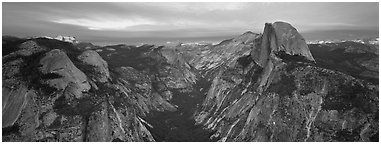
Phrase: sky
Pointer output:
(134, 23)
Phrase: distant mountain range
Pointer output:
(340, 34)
(322, 35)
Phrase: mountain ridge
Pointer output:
(254, 87)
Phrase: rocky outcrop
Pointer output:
(47, 96)
(143, 92)
(290, 41)
(56, 62)
(27, 98)
(167, 67)
(25, 49)
(13, 102)
(162, 84)
(181, 75)
(92, 58)
(15, 91)
(287, 112)
(279, 37)
(111, 123)
(278, 94)
(225, 53)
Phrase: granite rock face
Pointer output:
(290, 41)
(56, 62)
(168, 69)
(92, 58)
(279, 37)
(279, 94)
(164, 78)
(66, 94)
(227, 52)
(143, 92)
(13, 102)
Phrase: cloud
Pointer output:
(140, 16)
(128, 20)
(191, 7)
(331, 24)
(144, 24)
(106, 24)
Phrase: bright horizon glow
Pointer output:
(173, 21)
(94, 24)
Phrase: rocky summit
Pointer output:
(254, 87)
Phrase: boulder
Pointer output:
(56, 62)
(92, 58)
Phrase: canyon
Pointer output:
(254, 87)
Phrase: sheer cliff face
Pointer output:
(290, 41)
(279, 37)
(279, 94)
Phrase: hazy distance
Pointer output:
(159, 23)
